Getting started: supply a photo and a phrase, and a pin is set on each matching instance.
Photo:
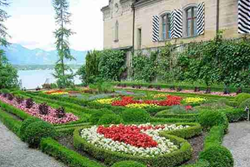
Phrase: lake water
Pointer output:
(33, 78)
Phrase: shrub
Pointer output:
(110, 119)
(200, 163)
(135, 115)
(43, 109)
(60, 112)
(218, 156)
(235, 114)
(94, 118)
(214, 137)
(245, 103)
(68, 156)
(29, 103)
(10, 97)
(38, 130)
(24, 126)
(241, 97)
(211, 118)
(19, 100)
(128, 164)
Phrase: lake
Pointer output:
(33, 78)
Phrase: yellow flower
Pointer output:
(105, 101)
(142, 105)
(194, 100)
(160, 95)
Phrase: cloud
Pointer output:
(34, 28)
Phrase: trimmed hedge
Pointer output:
(67, 156)
(245, 103)
(128, 164)
(97, 114)
(234, 115)
(38, 130)
(165, 114)
(170, 120)
(186, 133)
(109, 157)
(200, 163)
(218, 156)
(13, 110)
(9, 121)
(110, 119)
(214, 137)
(24, 126)
(241, 97)
(209, 118)
(131, 115)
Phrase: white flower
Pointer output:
(164, 145)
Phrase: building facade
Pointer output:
(142, 24)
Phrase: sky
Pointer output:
(32, 24)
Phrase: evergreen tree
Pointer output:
(63, 73)
(3, 30)
(8, 74)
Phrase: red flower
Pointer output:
(188, 108)
(170, 101)
(129, 134)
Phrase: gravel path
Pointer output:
(15, 153)
(238, 142)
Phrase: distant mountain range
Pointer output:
(19, 55)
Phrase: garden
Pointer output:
(168, 109)
(124, 127)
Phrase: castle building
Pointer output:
(142, 24)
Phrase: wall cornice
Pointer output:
(143, 3)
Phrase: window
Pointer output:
(191, 14)
(116, 31)
(139, 38)
(166, 32)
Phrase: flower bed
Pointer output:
(52, 116)
(140, 140)
(56, 92)
(169, 101)
(194, 100)
(110, 156)
(105, 101)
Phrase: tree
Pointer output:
(63, 73)
(8, 74)
(3, 29)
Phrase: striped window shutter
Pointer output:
(156, 29)
(201, 19)
(176, 23)
(244, 16)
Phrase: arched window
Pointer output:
(116, 31)
(166, 33)
(191, 14)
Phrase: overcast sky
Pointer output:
(32, 23)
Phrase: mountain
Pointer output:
(19, 55)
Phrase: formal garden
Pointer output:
(171, 107)
(166, 110)
(131, 126)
